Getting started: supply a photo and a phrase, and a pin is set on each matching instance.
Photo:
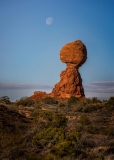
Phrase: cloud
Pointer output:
(8, 85)
(100, 87)
(97, 87)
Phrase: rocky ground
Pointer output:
(69, 131)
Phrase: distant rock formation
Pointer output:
(74, 54)
(38, 95)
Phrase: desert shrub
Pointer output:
(25, 101)
(37, 107)
(59, 120)
(54, 119)
(50, 157)
(73, 136)
(111, 101)
(64, 148)
(95, 100)
(60, 104)
(79, 108)
(90, 108)
(49, 100)
(92, 100)
(47, 115)
(49, 135)
(100, 130)
(34, 157)
(72, 100)
(79, 127)
(12, 141)
(94, 156)
(5, 99)
(110, 104)
(91, 129)
(84, 120)
(109, 107)
(36, 112)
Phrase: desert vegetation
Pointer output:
(57, 130)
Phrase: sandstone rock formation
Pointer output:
(74, 54)
(38, 95)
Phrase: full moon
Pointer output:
(49, 20)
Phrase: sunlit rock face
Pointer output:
(74, 54)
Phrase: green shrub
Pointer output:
(47, 115)
(63, 149)
(5, 99)
(84, 120)
(111, 101)
(72, 100)
(90, 108)
(49, 135)
(50, 157)
(94, 156)
(60, 104)
(110, 105)
(54, 119)
(33, 157)
(74, 136)
(49, 100)
(59, 120)
(92, 100)
(25, 101)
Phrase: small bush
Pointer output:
(53, 119)
(59, 120)
(110, 105)
(90, 108)
(48, 136)
(25, 101)
(84, 120)
(72, 100)
(33, 157)
(92, 100)
(111, 101)
(63, 149)
(5, 99)
(93, 156)
(50, 157)
(60, 104)
(49, 100)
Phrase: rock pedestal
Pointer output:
(74, 55)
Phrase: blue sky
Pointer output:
(29, 48)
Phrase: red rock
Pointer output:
(38, 95)
(74, 55)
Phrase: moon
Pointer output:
(49, 20)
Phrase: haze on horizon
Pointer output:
(29, 47)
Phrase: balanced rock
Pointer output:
(74, 54)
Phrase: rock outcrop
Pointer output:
(74, 54)
(10, 118)
(38, 95)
